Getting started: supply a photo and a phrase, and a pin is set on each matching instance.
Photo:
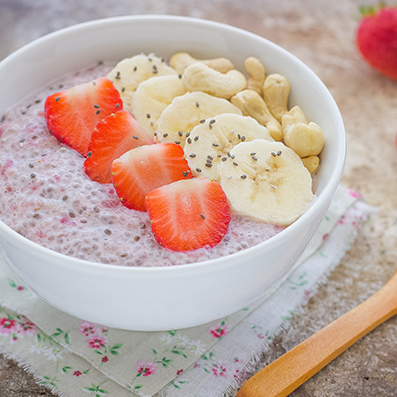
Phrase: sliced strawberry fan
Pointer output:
(186, 213)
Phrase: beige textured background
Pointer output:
(321, 33)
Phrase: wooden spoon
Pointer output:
(295, 367)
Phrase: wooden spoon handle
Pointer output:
(295, 367)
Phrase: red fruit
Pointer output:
(116, 134)
(377, 39)
(73, 114)
(187, 215)
(145, 168)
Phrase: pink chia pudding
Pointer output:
(47, 197)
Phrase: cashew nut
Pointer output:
(181, 60)
(275, 93)
(200, 77)
(306, 139)
(252, 104)
(257, 75)
(311, 163)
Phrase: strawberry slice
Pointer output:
(116, 134)
(145, 168)
(73, 114)
(190, 214)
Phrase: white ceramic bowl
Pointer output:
(186, 295)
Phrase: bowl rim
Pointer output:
(325, 195)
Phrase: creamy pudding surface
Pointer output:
(47, 197)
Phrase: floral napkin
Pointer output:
(77, 358)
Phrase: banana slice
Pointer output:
(130, 72)
(266, 181)
(186, 111)
(209, 142)
(152, 97)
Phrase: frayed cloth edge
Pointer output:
(23, 364)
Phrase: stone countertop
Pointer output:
(322, 35)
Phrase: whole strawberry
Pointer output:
(377, 39)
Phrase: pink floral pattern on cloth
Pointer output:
(17, 327)
(96, 342)
(75, 357)
(219, 330)
(88, 329)
(7, 325)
